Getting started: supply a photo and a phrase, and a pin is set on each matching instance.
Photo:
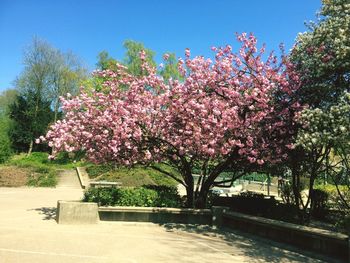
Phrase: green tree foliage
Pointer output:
(30, 115)
(132, 57)
(170, 67)
(326, 127)
(321, 58)
(67, 73)
(48, 74)
(105, 61)
(5, 144)
(322, 55)
(7, 97)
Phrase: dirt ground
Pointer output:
(12, 176)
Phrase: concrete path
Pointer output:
(68, 179)
(30, 234)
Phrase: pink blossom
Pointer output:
(187, 52)
(166, 56)
(215, 112)
(260, 162)
(142, 55)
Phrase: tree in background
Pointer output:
(48, 74)
(329, 132)
(7, 97)
(321, 58)
(132, 60)
(66, 77)
(223, 114)
(5, 144)
(30, 116)
(169, 70)
(105, 62)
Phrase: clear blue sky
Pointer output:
(87, 27)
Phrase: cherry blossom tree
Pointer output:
(237, 109)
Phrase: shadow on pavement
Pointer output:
(256, 248)
(49, 213)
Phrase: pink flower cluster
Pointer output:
(236, 104)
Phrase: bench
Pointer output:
(104, 184)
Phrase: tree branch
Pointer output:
(168, 174)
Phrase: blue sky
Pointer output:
(88, 27)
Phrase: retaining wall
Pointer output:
(318, 240)
(313, 239)
(156, 215)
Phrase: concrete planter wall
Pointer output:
(76, 212)
(156, 215)
(313, 239)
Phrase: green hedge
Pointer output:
(258, 205)
(147, 196)
(334, 201)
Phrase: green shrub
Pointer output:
(149, 196)
(259, 205)
(343, 222)
(5, 149)
(247, 202)
(48, 179)
(334, 200)
(319, 199)
(287, 194)
(167, 196)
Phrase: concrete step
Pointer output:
(68, 179)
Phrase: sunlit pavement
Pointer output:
(29, 233)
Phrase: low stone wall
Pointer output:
(83, 177)
(308, 238)
(318, 240)
(156, 215)
(76, 212)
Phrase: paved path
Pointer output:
(68, 179)
(29, 234)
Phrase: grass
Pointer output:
(136, 176)
(41, 172)
(40, 161)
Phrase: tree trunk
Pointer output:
(30, 148)
(189, 196)
(56, 110)
(296, 190)
(201, 200)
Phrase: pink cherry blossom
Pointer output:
(235, 109)
(166, 56)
